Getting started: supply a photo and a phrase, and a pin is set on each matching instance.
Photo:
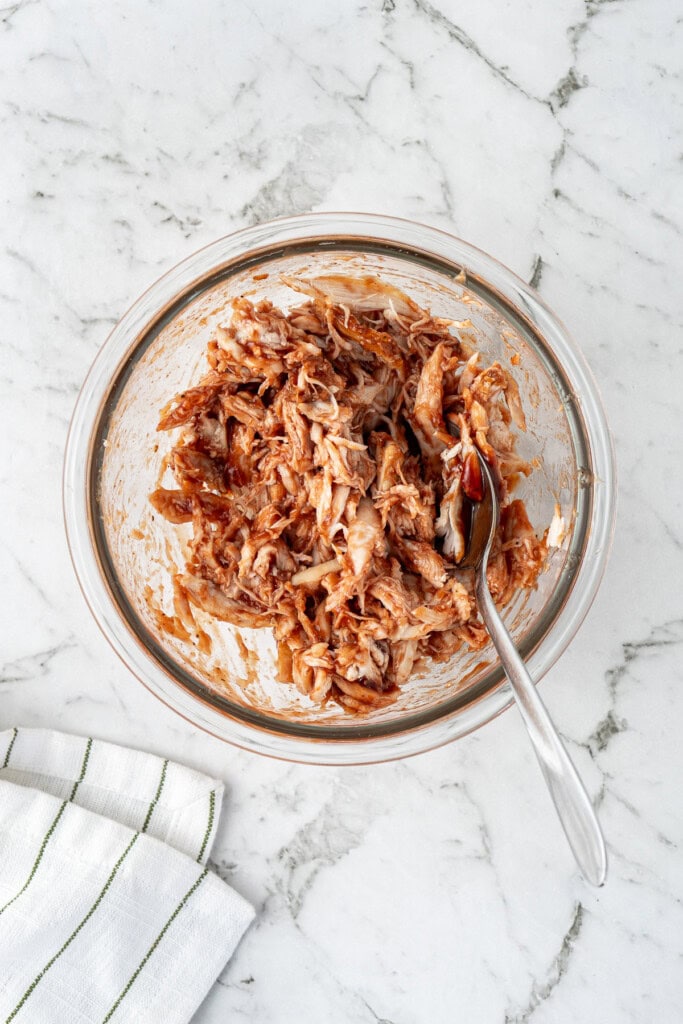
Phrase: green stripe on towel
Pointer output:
(154, 945)
(9, 749)
(38, 859)
(156, 796)
(209, 824)
(86, 757)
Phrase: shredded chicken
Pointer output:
(326, 462)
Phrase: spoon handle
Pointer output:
(572, 803)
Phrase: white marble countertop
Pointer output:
(439, 889)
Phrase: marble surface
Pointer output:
(440, 888)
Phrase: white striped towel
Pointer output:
(107, 912)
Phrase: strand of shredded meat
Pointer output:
(326, 462)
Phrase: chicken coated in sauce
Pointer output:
(325, 463)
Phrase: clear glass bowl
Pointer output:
(123, 554)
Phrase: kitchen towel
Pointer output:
(107, 910)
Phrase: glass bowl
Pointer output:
(123, 553)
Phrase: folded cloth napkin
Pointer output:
(107, 911)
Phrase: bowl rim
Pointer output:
(98, 384)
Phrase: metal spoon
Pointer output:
(572, 803)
